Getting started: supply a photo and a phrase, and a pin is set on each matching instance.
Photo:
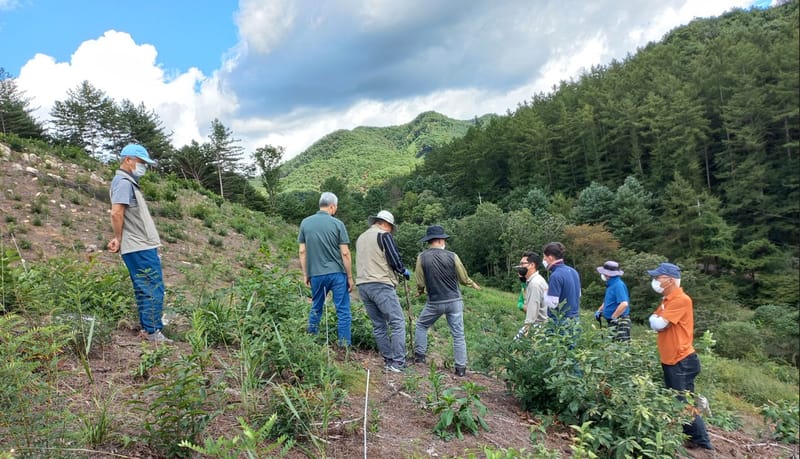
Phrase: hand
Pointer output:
(407, 274)
(113, 245)
(597, 315)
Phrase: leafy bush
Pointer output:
(737, 340)
(614, 387)
(784, 419)
(179, 404)
(779, 326)
(459, 413)
(251, 443)
(33, 415)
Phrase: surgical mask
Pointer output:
(603, 277)
(139, 171)
(544, 263)
(656, 286)
(521, 270)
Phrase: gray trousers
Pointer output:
(454, 312)
(388, 323)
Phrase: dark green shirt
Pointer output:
(322, 234)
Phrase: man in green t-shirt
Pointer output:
(325, 260)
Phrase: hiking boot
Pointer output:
(461, 371)
(419, 358)
(158, 337)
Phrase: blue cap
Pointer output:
(665, 269)
(134, 149)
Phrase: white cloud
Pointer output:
(115, 64)
(262, 25)
(8, 4)
(303, 68)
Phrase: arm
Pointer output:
(533, 302)
(419, 274)
(348, 265)
(462, 275)
(301, 253)
(620, 309)
(658, 323)
(117, 222)
(386, 242)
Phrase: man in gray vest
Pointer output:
(136, 238)
(439, 271)
(377, 266)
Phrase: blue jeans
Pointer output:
(388, 323)
(144, 267)
(454, 312)
(320, 286)
(681, 378)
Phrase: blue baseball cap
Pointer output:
(665, 269)
(134, 149)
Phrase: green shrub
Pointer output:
(751, 381)
(779, 326)
(178, 404)
(250, 443)
(200, 212)
(459, 413)
(784, 420)
(171, 210)
(592, 384)
(737, 340)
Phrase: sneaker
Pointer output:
(461, 371)
(419, 358)
(158, 337)
(393, 368)
(702, 405)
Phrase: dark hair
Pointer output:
(554, 249)
(532, 257)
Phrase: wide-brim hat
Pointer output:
(610, 269)
(434, 232)
(384, 215)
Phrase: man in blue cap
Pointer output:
(673, 319)
(439, 272)
(136, 239)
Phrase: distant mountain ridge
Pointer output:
(367, 156)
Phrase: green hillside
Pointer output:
(367, 156)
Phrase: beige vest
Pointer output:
(371, 264)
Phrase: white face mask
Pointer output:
(603, 277)
(544, 263)
(656, 286)
(139, 171)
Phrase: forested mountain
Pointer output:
(712, 110)
(367, 156)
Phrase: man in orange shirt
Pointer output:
(674, 322)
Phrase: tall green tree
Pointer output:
(268, 161)
(15, 110)
(85, 119)
(225, 150)
(138, 124)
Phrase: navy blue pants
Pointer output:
(681, 378)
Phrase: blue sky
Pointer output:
(186, 35)
(287, 72)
